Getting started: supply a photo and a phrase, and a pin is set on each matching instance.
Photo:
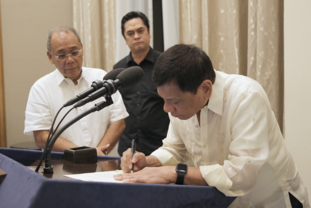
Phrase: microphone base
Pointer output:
(81, 155)
(48, 170)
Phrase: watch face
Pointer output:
(181, 168)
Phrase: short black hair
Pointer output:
(132, 15)
(188, 65)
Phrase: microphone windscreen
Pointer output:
(113, 74)
(130, 76)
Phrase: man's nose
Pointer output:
(70, 59)
(168, 107)
(136, 35)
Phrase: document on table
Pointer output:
(105, 176)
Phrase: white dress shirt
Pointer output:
(51, 92)
(238, 147)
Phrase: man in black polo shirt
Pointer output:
(147, 123)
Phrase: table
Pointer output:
(22, 187)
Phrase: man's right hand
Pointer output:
(139, 160)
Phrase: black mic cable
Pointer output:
(50, 136)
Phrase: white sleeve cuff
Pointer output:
(164, 157)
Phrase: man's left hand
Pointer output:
(101, 149)
(155, 175)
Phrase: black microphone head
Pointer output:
(130, 76)
(113, 74)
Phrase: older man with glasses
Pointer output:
(101, 129)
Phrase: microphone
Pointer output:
(113, 73)
(95, 86)
(126, 78)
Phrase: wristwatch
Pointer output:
(181, 170)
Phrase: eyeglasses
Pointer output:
(65, 55)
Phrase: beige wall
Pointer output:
(25, 25)
(297, 56)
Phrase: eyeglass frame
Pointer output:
(68, 54)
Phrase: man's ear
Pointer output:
(50, 57)
(207, 88)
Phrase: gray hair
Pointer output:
(60, 29)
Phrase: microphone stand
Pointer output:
(99, 106)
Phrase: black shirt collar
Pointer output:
(150, 57)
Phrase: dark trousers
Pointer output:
(295, 202)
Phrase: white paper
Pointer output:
(105, 176)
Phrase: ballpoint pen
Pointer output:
(133, 152)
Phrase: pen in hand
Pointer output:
(133, 152)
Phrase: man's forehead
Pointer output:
(62, 49)
(129, 29)
(62, 39)
(134, 24)
(169, 89)
(61, 34)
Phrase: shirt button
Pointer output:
(196, 126)
(204, 146)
